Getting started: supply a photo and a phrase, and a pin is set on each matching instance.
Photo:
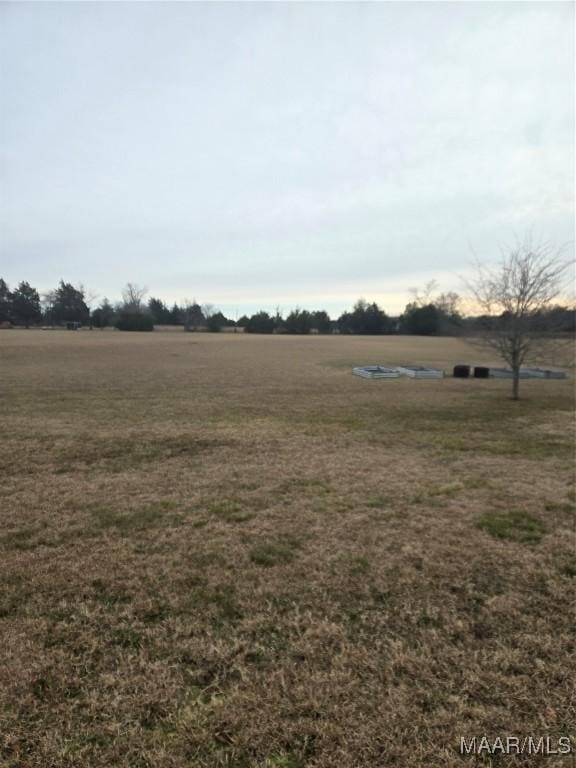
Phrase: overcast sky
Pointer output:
(260, 154)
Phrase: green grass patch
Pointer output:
(447, 489)
(526, 446)
(117, 454)
(359, 566)
(378, 502)
(284, 760)
(426, 620)
(155, 515)
(126, 637)
(19, 539)
(223, 602)
(14, 594)
(108, 595)
(513, 526)
(230, 510)
(197, 597)
(156, 614)
(560, 506)
(568, 568)
(303, 485)
(96, 741)
(269, 554)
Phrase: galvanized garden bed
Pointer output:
(375, 372)
(421, 372)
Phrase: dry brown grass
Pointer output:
(229, 551)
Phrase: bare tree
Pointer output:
(47, 301)
(423, 297)
(511, 296)
(133, 296)
(89, 299)
(448, 303)
(194, 316)
(208, 310)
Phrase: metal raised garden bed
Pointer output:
(505, 373)
(375, 372)
(542, 373)
(421, 372)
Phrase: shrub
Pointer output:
(128, 320)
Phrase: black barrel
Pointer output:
(461, 371)
(481, 373)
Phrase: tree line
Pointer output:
(427, 313)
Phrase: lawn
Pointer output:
(228, 551)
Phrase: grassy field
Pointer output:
(228, 551)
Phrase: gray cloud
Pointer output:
(310, 152)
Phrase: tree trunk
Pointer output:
(515, 384)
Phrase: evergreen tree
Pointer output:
(69, 305)
(176, 315)
(193, 316)
(159, 311)
(216, 322)
(26, 304)
(103, 316)
(298, 321)
(365, 319)
(321, 321)
(5, 302)
(261, 322)
(421, 321)
(345, 322)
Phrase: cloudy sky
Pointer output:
(261, 154)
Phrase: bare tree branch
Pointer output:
(512, 296)
(133, 296)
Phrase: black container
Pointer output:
(481, 373)
(461, 371)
